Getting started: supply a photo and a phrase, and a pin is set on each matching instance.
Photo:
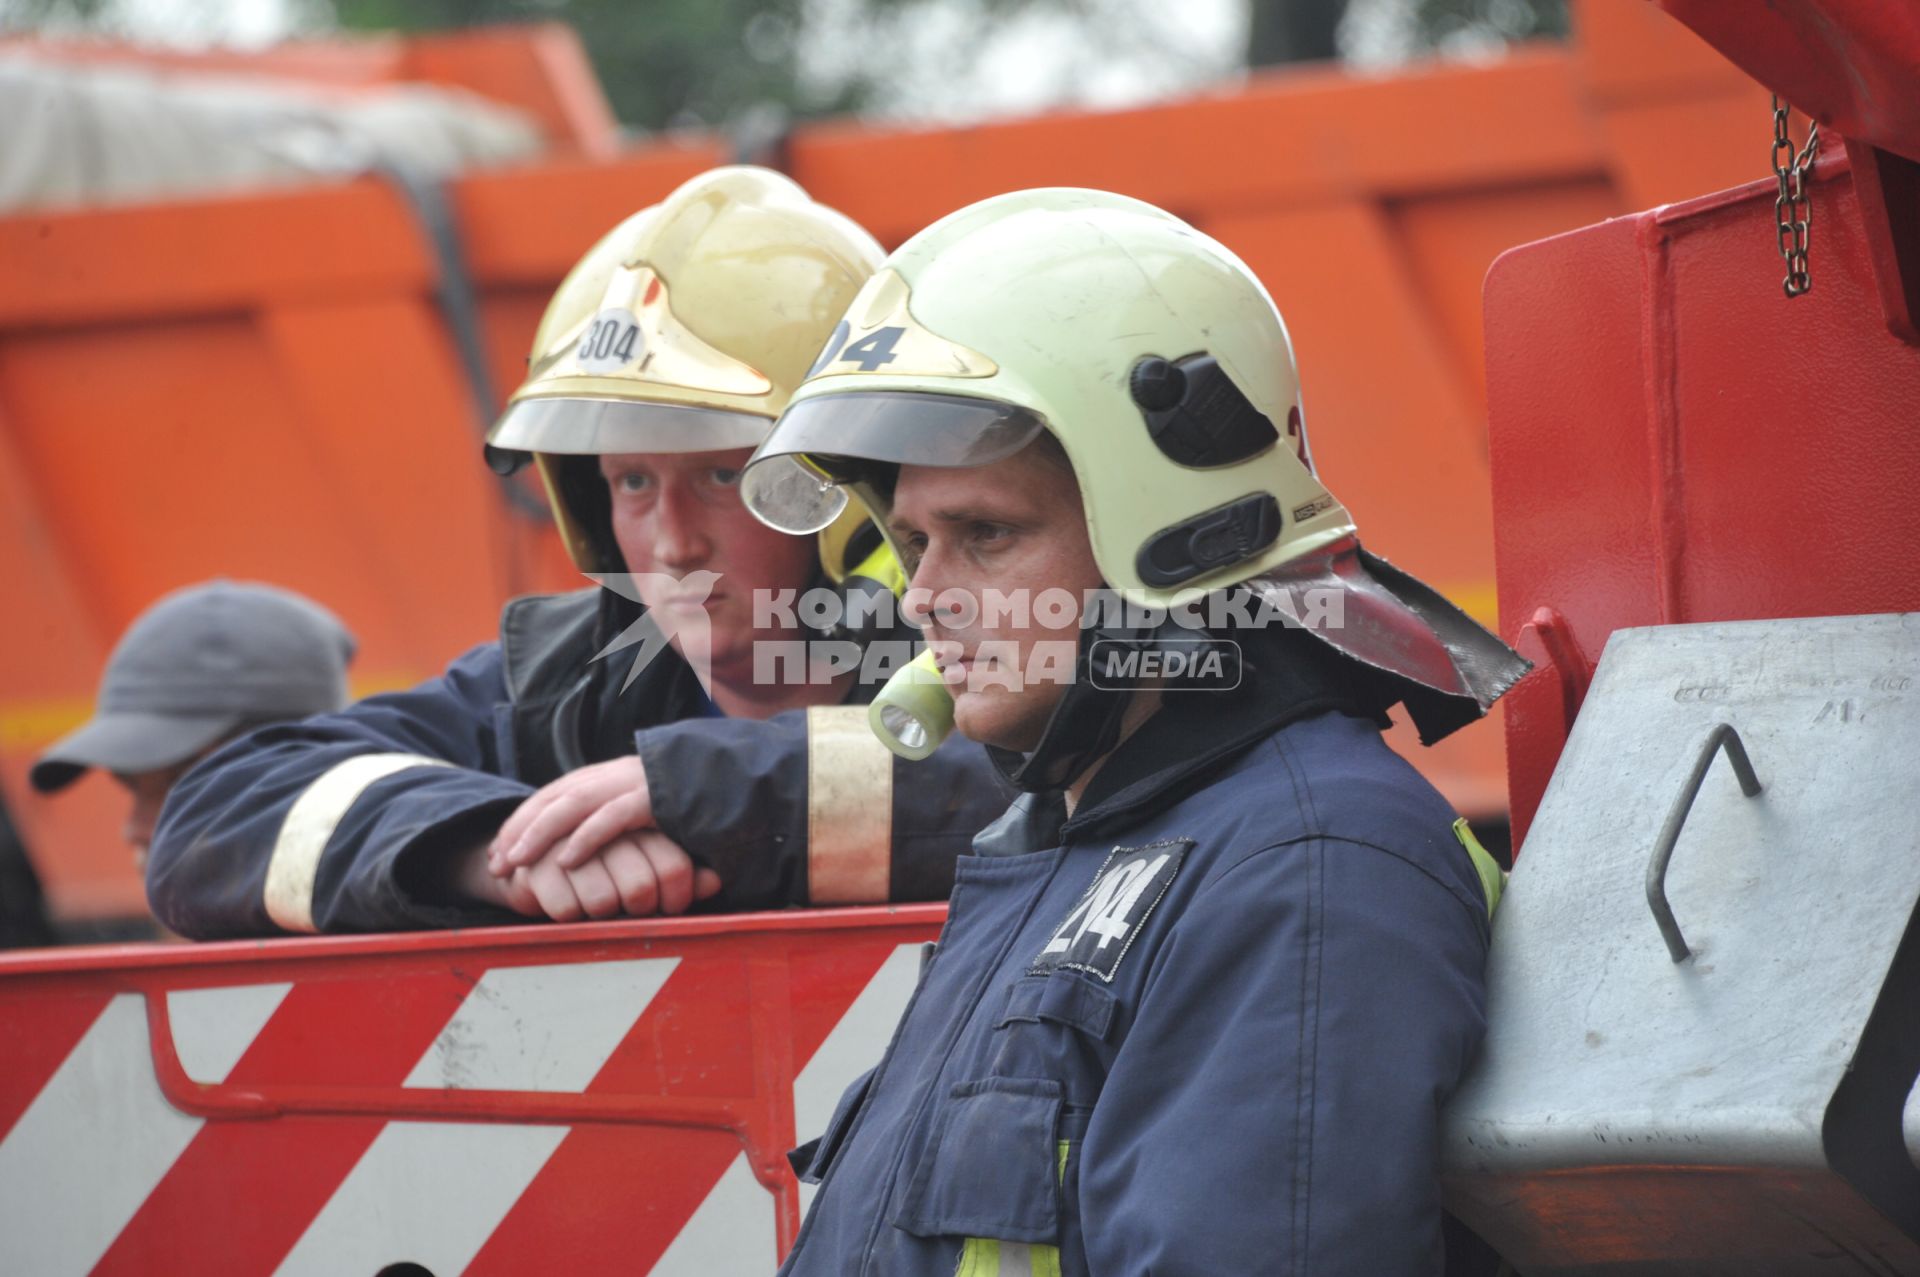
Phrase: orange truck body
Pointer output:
(261, 385)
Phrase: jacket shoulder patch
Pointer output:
(1108, 918)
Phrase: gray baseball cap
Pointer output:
(197, 666)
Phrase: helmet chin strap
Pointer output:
(1085, 725)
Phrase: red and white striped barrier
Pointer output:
(593, 1098)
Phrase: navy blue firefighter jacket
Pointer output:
(1203, 1028)
(340, 822)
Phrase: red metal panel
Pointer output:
(1674, 440)
(1889, 190)
(1851, 64)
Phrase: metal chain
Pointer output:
(1793, 206)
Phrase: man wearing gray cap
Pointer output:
(196, 669)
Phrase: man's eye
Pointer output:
(634, 481)
(987, 533)
(724, 476)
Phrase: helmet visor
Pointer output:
(596, 427)
(793, 481)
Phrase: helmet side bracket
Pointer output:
(1195, 414)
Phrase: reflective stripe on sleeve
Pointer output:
(309, 826)
(849, 808)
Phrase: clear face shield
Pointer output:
(796, 481)
(586, 426)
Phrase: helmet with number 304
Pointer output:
(685, 329)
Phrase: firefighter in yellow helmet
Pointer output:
(629, 749)
(1204, 988)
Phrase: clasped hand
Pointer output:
(585, 846)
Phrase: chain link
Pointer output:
(1793, 206)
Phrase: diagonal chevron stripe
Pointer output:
(544, 1028)
(100, 1136)
(731, 1232)
(433, 1192)
(242, 1194)
(426, 1192)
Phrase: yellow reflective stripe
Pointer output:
(973, 1259)
(985, 1257)
(1045, 1260)
(883, 566)
(849, 808)
(1493, 879)
(309, 826)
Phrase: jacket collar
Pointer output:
(1190, 740)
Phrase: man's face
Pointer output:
(1013, 526)
(675, 514)
(148, 791)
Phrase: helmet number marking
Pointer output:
(873, 351)
(901, 348)
(831, 349)
(611, 342)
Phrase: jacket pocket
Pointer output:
(1053, 1026)
(812, 1160)
(1060, 999)
(991, 1169)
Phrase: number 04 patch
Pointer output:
(1104, 925)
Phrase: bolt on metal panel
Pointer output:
(1703, 979)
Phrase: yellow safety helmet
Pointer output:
(685, 329)
(1151, 353)
(1159, 362)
